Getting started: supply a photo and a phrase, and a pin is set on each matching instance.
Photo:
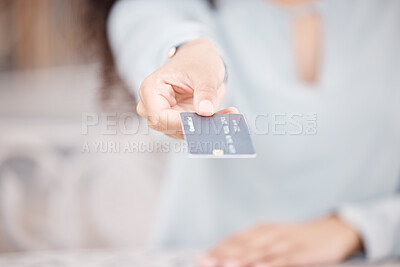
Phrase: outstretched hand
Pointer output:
(191, 81)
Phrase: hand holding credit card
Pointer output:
(217, 136)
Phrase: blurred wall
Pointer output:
(51, 194)
(39, 33)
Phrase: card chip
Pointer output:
(218, 152)
(217, 136)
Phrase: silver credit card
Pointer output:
(218, 136)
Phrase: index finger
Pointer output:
(156, 101)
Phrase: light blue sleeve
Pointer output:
(141, 32)
(378, 223)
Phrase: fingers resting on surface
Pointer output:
(322, 241)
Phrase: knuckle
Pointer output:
(140, 110)
(140, 93)
(146, 82)
(146, 85)
(149, 84)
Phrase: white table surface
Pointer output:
(122, 258)
(98, 258)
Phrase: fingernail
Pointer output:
(206, 108)
(231, 263)
(208, 261)
(235, 110)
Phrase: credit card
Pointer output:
(218, 136)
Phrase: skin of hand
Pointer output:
(323, 241)
(191, 81)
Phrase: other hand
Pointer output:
(323, 241)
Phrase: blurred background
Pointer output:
(52, 195)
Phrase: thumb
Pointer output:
(206, 99)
